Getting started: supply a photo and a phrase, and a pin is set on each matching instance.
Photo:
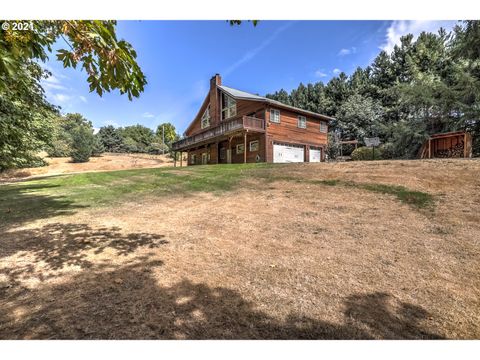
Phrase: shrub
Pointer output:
(98, 148)
(333, 146)
(31, 161)
(388, 151)
(82, 144)
(130, 146)
(59, 148)
(366, 153)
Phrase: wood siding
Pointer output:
(251, 108)
(288, 132)
(251, 155)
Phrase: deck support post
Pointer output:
(174, 159)
(229, 150)
(429, 148)
(181, 158)
(245, 147)
(465, 145)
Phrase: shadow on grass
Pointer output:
(128, 303)
(61, 245)
(28, 202)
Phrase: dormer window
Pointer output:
(229, 107)
(206, 118)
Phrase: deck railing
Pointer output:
(225, 127)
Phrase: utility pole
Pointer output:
(163, 139)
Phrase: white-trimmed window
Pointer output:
(206, 118)
(229, 107)
(323, 126)
(275, 116)
(253, 145)
(302, 122)
(240, 149)
(193, 159)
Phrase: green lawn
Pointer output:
(416, 199)
(23, 201)
(62, 194)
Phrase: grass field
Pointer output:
(384, 249)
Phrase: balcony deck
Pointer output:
(227, 127)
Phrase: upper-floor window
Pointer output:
(229, 107)
(275, 115)
(302, 122)
(323, 126)
(206, 118)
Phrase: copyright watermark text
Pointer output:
(17, 25)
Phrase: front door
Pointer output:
(204, 158)
(229, 156)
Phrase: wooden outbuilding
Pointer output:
(456, 144)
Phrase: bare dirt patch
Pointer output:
(106, 162)
(290, 260)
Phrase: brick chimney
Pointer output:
(215, 99)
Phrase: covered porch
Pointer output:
(236, 140)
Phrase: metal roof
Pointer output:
(239, 94)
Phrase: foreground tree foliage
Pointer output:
(423, 87)
(27, 120)
(109, 62)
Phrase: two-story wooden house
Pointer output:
(234, 126)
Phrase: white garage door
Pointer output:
(287, 153)
(315, 154)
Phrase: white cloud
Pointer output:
(348, 51)
(52, 83)
(249, 55)
(96, 130)
(61, 98)
(320, 73)
(83, 99)
(336, 71)
(148, 115)
(399, 28)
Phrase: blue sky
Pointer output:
(179, 57)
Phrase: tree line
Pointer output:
(424, 86)
(74, 136)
